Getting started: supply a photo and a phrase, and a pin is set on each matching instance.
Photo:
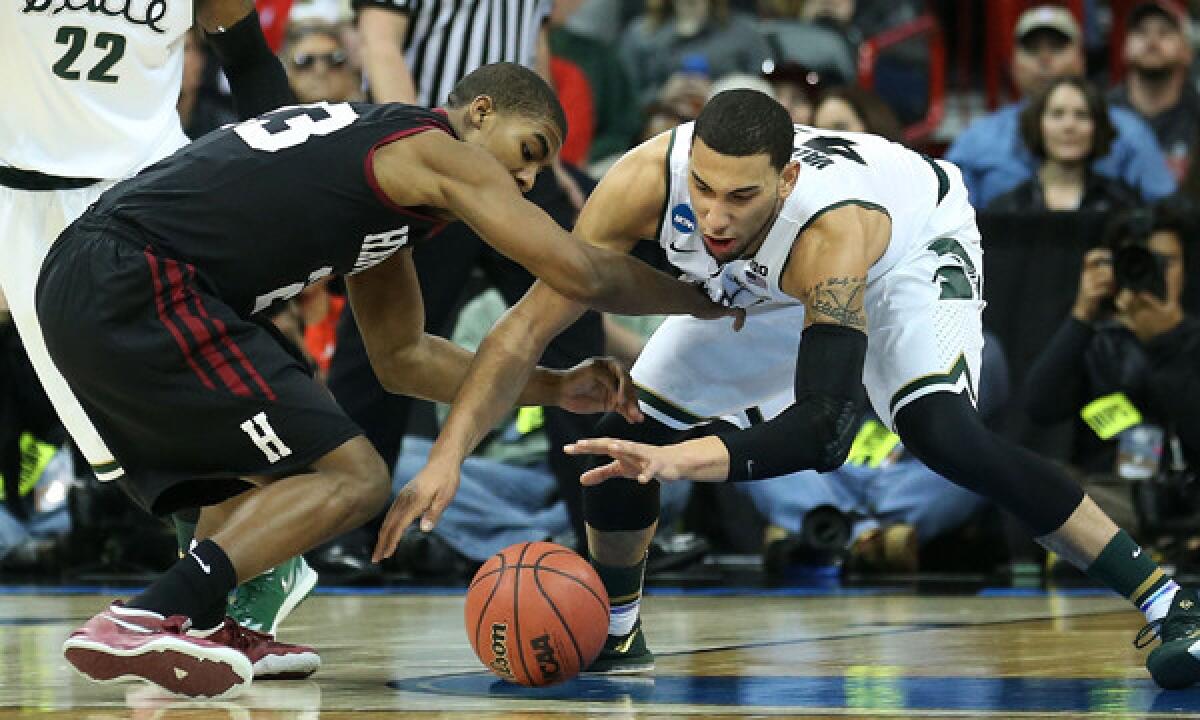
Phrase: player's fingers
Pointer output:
(595, 476)
(589, 446)
(408, 505)
(739, 319)
(627, 398)
(385, 544)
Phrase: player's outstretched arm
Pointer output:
(256, 77)
(386, 300)
(469, 182)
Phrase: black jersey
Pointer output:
(265, 207)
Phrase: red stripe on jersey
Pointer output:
(201, 333)
(230, 345)
(170, 325)
(369, 168)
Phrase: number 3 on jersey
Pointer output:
(291, 126)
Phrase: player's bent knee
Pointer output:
(621, 505)
(359, 478)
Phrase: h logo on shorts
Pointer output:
(265, 438)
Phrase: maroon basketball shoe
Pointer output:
(123, 642)
(272, 660)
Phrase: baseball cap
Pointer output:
(1173, 12)
(1047, 17)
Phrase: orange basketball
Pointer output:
(537, 614)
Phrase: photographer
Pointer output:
(1126, 361)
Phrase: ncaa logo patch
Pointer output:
(683, 219)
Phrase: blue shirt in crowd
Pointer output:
(994, 159)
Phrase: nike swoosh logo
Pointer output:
(203, 566)
(624, 646)
(1137, 552)
(679, 249)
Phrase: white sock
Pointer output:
(1156, 606)
(622, 617)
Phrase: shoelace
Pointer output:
(243, 638)
(1184, 624)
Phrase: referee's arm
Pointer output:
(383, 27)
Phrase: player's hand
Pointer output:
(599, 385)
(1096, 284)
(425, 496)
(704, 459)
(709, 310)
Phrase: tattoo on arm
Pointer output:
(839, 301)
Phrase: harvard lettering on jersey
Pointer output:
(85, 84)
(265, 207)
(836, 169)
(449, 39)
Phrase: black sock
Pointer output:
(196, 586)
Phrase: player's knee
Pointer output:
(361, 485)
(943, 431)
(621, 505)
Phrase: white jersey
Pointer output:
(923, 300)
(836, 169)
(90, 85)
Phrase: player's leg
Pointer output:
(944, 431)
(690, 372)
(30, 222)
(922, 379)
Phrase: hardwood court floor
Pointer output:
(861, 653)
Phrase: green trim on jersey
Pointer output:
(950, 377)
(108, 471)
(942, 178)
(662, 216)
(668, 408)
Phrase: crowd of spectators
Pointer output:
(627, 70)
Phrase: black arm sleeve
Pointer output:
(256, 77)
(1056, 381)
(817, 430)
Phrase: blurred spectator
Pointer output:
(1126, 333)
(687, 89)
(852, 109)
(199, 109)
(656, 44)
(318, 64)
(1158, 58)
(990, 152)
(32, 502)
(888, 501)
(1066, 127)
(614, 109)
(812, 34)
(795, 86)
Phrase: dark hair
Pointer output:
(1103, 131)
(513, 89)
(747, 122)
(876, 115)
(1134, 227)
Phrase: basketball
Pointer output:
(537, 614)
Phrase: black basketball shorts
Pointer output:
(188, 395)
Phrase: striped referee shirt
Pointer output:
(447, 39)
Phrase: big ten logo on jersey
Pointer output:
(149, 13)
(263, 435)
(287, 292)
(379, 247)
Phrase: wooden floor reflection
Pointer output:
(856, 655)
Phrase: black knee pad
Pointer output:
(622, 504)
(945, 433)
